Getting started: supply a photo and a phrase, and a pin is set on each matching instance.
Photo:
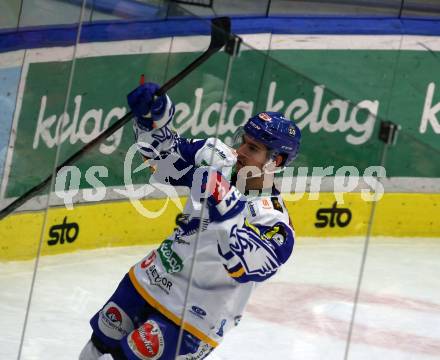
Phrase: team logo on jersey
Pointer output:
(147, 341)
(114, 322)
(247, 243)
(265, 117)
(237, 320)
(292, 131)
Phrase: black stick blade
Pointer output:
(220, 32)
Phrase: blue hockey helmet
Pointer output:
(280, 135)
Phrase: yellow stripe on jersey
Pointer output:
(237, 273)
(158, 306)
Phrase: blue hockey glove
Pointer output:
(146, 106)
(223, 199)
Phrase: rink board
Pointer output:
(119, 223)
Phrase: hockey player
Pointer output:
(193, 288)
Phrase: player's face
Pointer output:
(251, 153)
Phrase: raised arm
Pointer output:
(163, 147)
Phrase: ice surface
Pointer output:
(302, 313)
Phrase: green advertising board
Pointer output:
(337, 97)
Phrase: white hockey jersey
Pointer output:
(215, 268)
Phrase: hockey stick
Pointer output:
(220, 35)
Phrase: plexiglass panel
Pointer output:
(361, 279)
(391, 300)
(104, 213)
(219, 8)
(421, 8)
(9, 13)
(49, 12)
(27, 87)
(276, 78)
(336, 8)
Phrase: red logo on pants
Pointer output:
(147, 341)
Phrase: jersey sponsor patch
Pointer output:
(148, 260)
(266, 204)
(198, 312)
(114, 322)
(156, 279)
(147, 341)
(171, 262)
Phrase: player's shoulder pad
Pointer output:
(217, 154)
(268, 217)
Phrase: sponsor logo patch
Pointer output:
(114, 315)
(162, 282)
(114, 322)
(149, 260)
(171, 262)
(266, 204)
(147, 341)
(197, 311)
